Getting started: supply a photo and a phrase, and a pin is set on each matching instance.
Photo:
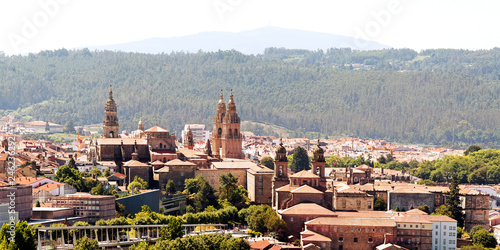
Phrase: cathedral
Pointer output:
(226, 137)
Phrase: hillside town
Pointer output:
(327, 207)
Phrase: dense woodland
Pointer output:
(443, 97)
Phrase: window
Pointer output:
(341, 239)
(370, 240)
(411, 226)
(416, 226)
(355, 239)
(444, 227)
(444, 233)
(260, 178)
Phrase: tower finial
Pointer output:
(221, 95)
(231, 95)
(110, 92)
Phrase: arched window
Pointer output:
(164, 159)
(281, 171)
(236, 132)
(220, 131)
(111, 134)
(161, 145)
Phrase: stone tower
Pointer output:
(140, 125)
(217, 132)
(231, 136)
(318, 164)
(188, 141)
(110, 125)
(280, 177)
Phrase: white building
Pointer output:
(40, 127)
(444, 232)
(199, 132)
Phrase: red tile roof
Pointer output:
(157, 129)
(308, 208)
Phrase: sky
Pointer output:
(31, 26)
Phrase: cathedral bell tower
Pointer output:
(217, 132)
(189, 141)
(110, 125)
(318, 164)
(231, 136)
(280, 178)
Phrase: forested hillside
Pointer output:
(441, 96)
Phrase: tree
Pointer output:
(471, 149)
(380, 204)
(69, 127)
(85, 244)
(120, 209)
(37, 203)
(175, 228)
(229, 190)
(484, 238)
(453, 203)
(97, 190)
(474, 230)
(24, 236)
(47, 127)
(96, 172)
(442, 210)
(70, 176)
(300, 160)
(106, 173)
(382, 159)
(137, 184)
(424, 208)
(267, 161)
(170, 187)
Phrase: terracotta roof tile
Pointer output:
(157, 129)
(134, 163)
(305, 189)
(304, 174)
(177, 162)
(260, 244)
(308, 208)
(380, 222)
(119, 175)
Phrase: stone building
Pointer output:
(226, 137)
(177, 171)
(303, 186)
(352, 199)
(476, 208)
(355, 232)
(22, 197)
(410, 197)
(110, 127)
(297, 215)
(259, 184)
(134, 168)
(94, 207)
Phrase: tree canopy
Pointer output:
(337, 92)
(300, 160)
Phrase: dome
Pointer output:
(280, 149)
(319, 150)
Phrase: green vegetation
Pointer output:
(137, 184)
(300, 160)
(380, 204)
(424, 208)
(443, 96)
(24, 237)
(85, 244)
(267, 161)
(230, 191)
(200, 194)
(483, 238)
(215, 242)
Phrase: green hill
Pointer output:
(438, 96)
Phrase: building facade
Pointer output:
(226, 137)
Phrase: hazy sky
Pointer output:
(31, 26)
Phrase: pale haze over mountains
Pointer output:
(248, 42)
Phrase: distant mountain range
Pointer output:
(248, 42)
